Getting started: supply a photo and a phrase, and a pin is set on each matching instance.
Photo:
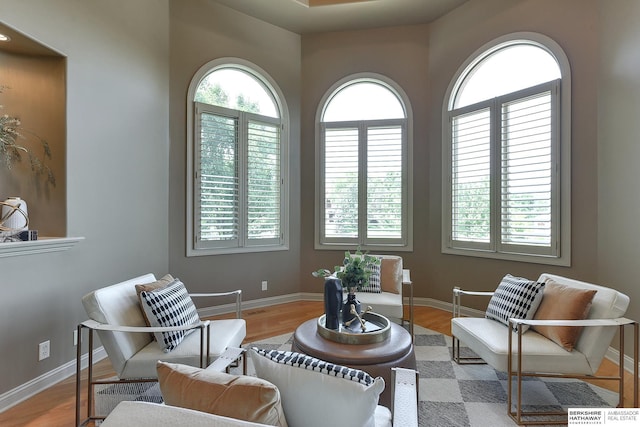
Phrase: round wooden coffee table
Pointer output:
(376, 359)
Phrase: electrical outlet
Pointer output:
(264, 285)
(75, 337)
(43, 350)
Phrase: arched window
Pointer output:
(363, 195)
(506, 145)
(237, 160)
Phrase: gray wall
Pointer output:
(605, 106)
(117, 156)
(619, 149)
(453, 39)
(401, 54)
(423, 60)
(126, 184)
(200, 32)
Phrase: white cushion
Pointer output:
(311, 398)
(385, 303)
(489, 340)
(224, 333)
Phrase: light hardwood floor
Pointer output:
(55, 407)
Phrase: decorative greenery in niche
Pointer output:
(12, 151)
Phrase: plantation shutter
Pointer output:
(263, 182)
(515, 161)
(471, 177)
(340, 171)
(526, 169)
(217, 202)
(384, 182)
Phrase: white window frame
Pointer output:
(244, 245)
(560, 252)
(405, 243)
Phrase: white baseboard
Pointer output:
(46, 380)
(258, 303)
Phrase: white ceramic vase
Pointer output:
(14, 217)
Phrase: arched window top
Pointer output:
(365, 99)
(506, 68)
(235, 88)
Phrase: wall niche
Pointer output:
(33, 77)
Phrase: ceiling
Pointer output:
(314, 16)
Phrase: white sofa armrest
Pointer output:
(404, 405)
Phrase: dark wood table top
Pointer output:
(397, 346)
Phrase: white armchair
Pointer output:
(529, 353)
(396, 285)
(116, 314)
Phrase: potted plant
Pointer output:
(353, 274)
(12, 151)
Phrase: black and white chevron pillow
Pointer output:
(170, 306)
(374, 279)
(515, 297)
(303, 361)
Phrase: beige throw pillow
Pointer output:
(562, 302)
(234, 396)
(158, 284)
(391, 275)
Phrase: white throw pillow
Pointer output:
(316, 393)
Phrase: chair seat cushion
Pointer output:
(489, 340)
(235, 396)
(223, 333)
(385, 303)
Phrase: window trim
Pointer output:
(319, 244)
(281, 104)
(564, 151)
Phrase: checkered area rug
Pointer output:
(458, 395)
(476, 395)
